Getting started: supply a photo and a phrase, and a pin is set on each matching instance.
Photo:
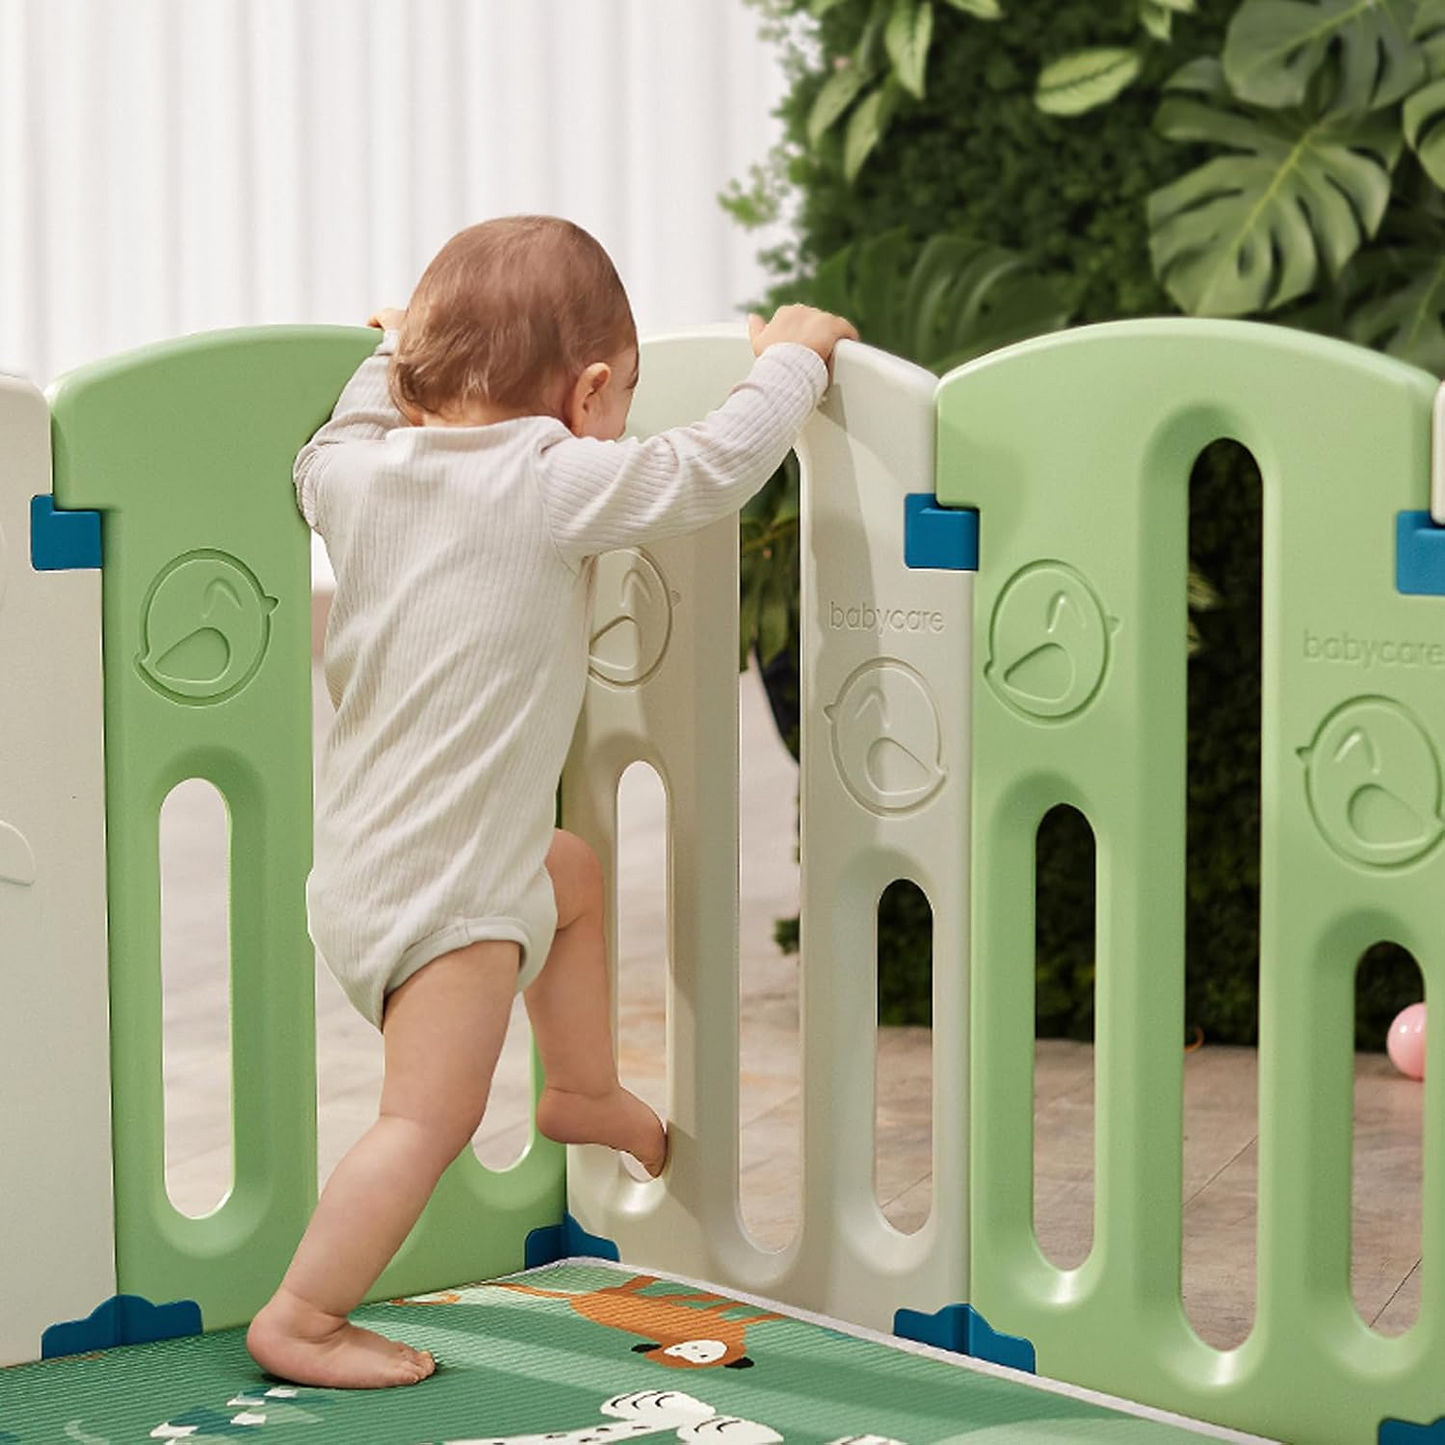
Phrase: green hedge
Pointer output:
(977, 157)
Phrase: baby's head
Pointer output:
(522, 316)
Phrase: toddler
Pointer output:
(472, 469)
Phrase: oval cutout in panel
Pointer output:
(640, 901)
(1387, 1168)
(1064, 951)
(770, 1139)
(1221, 970)
(195, 842)
(903, 1068)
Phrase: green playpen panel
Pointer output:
(186, 448)
(1077, 449)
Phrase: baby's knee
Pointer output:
(576, 876)
(438, 1133)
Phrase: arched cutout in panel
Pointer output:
(770, 1147)
(1388, 1164)
(641, 910)
(1064, 950)
(506, 1127)
(195, 847)
(903, 1077)
(1221, 971)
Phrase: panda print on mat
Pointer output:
(657, 1412)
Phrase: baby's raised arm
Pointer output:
(601, 495)
(364, 412)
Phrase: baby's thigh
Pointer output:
(576, 877)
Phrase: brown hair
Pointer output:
(507, 313)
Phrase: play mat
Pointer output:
(576, 1352)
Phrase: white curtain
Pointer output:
(169, 166)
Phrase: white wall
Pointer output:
(177, 165)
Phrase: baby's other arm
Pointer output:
(364, 412)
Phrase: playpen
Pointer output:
(993, 615)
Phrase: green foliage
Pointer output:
(1424, 111)
(939, 304)
(1085, 79)
(906, 36)
(768, 543)
(1276, 47)
(839, 91)
(886, 60)
(1068, 197)
(1157, 16)
(1394, 296)
(759, 203)
(975, 157)
(1250, 231)
(1311, 198)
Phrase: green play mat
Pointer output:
(585, 1364)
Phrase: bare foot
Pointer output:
(619, 1119)
(301, 1343)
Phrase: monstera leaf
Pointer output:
(941, 303)
(1424, 113)
(1252, 230)
(1395, 292)
(1408, 321)
(1275, 47)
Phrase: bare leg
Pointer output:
(570, 1010)
(443, 1030)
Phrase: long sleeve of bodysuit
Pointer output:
(601, 495)
(364, 412)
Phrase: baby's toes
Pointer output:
(656, 1156)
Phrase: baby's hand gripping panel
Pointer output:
(56, 1232)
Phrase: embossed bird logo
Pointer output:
(1048, 641)
(206, 627)
(1372, 781)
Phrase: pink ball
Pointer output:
(1406, 1041)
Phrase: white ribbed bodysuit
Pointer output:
(456, 652)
